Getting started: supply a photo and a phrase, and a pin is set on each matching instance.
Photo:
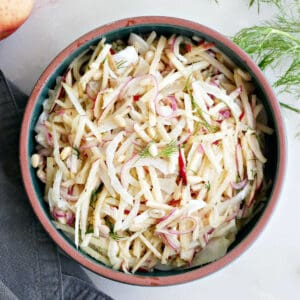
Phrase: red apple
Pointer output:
(13, 13)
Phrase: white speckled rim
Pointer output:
(97, 267)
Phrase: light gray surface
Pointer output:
(270, 269)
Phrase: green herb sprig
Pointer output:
(199, 111)
(259, 2)
(275, 44)
(146, 152)
(94, 194)
(111, 226)
(165, 152)
(207, 185)
(168, 150)
(120, 64)
(76, 151)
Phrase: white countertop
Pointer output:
(270, 269)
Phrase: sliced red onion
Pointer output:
(216, 73)
(170, 240)
(205, 237)
(239, 185)
(258, 185)
(171, 43)
(244, 211)
(47, 134)
(70, 190)
(182, 166)
(70, 218)
(60, 112)
(213, 54)
(211, 230)
(201, 149)
(71, 163)
(49, 138)
(57, 213)
(162, 110)
(234, 94)
(174, 102)
(184, 138)
(137, 143)
(105, 141)
(61, 93)
(52, 109)
(215, 82)
(129, 131)
(89, 145)
(240, 212)
(64, 77)
(225, 114)
(252, 196)
(67, 195)
(170, 214)
(233, 216)
(180, 232)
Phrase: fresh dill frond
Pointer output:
(76, 151)
(207, 185)
(108, 223)
(259, 2)
(199, 111)
(168, 150)
(114, 236)
(290, 107)
(144, 153)
(90, 229)
(111, 226)
(187, 86)
(120, 64)
(203, 122)
(118, 45)
(164, 152)
(276, 45)
(94, 195)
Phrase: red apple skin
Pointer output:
(13, 13)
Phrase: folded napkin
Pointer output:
(31, 266)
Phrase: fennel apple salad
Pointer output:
(150, 150)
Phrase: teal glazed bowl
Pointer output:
(275, 144)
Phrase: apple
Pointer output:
(13, 13)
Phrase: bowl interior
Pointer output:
(272, 142)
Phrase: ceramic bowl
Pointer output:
(276, 144)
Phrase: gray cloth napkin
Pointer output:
(31, 266)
